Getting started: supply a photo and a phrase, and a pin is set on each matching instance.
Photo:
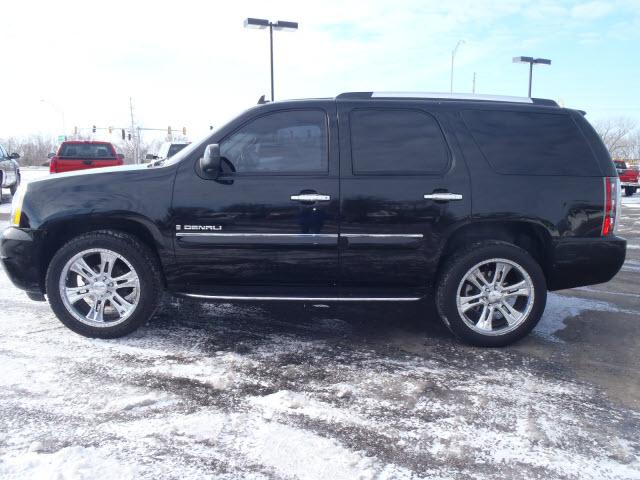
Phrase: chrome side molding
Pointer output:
(382, 235)
(257, 235)
(300, 299)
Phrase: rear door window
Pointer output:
(87, 150)
(396, 142)
(531, 143)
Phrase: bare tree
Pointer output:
(33, 150)
(618, 135)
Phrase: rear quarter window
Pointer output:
(531, 143)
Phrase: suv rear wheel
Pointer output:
(103, 284)
(491, 294)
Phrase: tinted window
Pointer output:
(3, 153)
(526, 143)
(87, 150)
(396, 142)
(282, 142)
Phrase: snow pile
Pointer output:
(69, 463)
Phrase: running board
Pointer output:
(299, 299)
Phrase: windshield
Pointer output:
(175, 148)
(189, 149)
(620, 164)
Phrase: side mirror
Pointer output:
(210, 161)
(14, 156)
(150, 156)
(51, 155)
(120, 156)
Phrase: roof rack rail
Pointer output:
(448, 96)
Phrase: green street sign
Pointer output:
(62, 138)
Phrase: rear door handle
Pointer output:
(310, 197)
(443, 196)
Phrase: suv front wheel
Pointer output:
(491, 294)
(104, 284)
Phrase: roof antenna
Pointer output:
(262, 101)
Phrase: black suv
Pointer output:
(483, 203)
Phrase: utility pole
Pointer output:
(473, 89)
(133, 132)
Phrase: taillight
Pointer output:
(53, 165)
(611, 205)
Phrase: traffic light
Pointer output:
(169, 129)
(93, 129)
(129, 136)
(184, 130)
(123, 136)
(110, 130)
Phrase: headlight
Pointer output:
(16, 205)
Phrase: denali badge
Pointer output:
(201, 228)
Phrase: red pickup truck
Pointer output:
(628, 177)
(79, 155)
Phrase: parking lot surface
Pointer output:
(302, 391)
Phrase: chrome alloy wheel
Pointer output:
(495, 296)
(99, 287)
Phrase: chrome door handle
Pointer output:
(443, 196)
(311, 197)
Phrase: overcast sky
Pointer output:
(191, 63)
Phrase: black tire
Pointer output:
(454, 270)
(14, 188)
(137, 254)
(628, 191)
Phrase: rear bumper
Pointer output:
(630, 184)
(20, 254)
(585, 261)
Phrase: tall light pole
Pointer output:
(279, 25)
(531, 61)
(453, 56)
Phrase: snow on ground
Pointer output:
(247, 391)
(259, 391)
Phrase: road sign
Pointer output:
(62, 138)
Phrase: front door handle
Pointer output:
(310, 197)
(443, 196)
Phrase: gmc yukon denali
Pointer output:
(482, 203)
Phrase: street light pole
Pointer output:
(271, 51)
(453, 56)
(279, 25)
(531, 61)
